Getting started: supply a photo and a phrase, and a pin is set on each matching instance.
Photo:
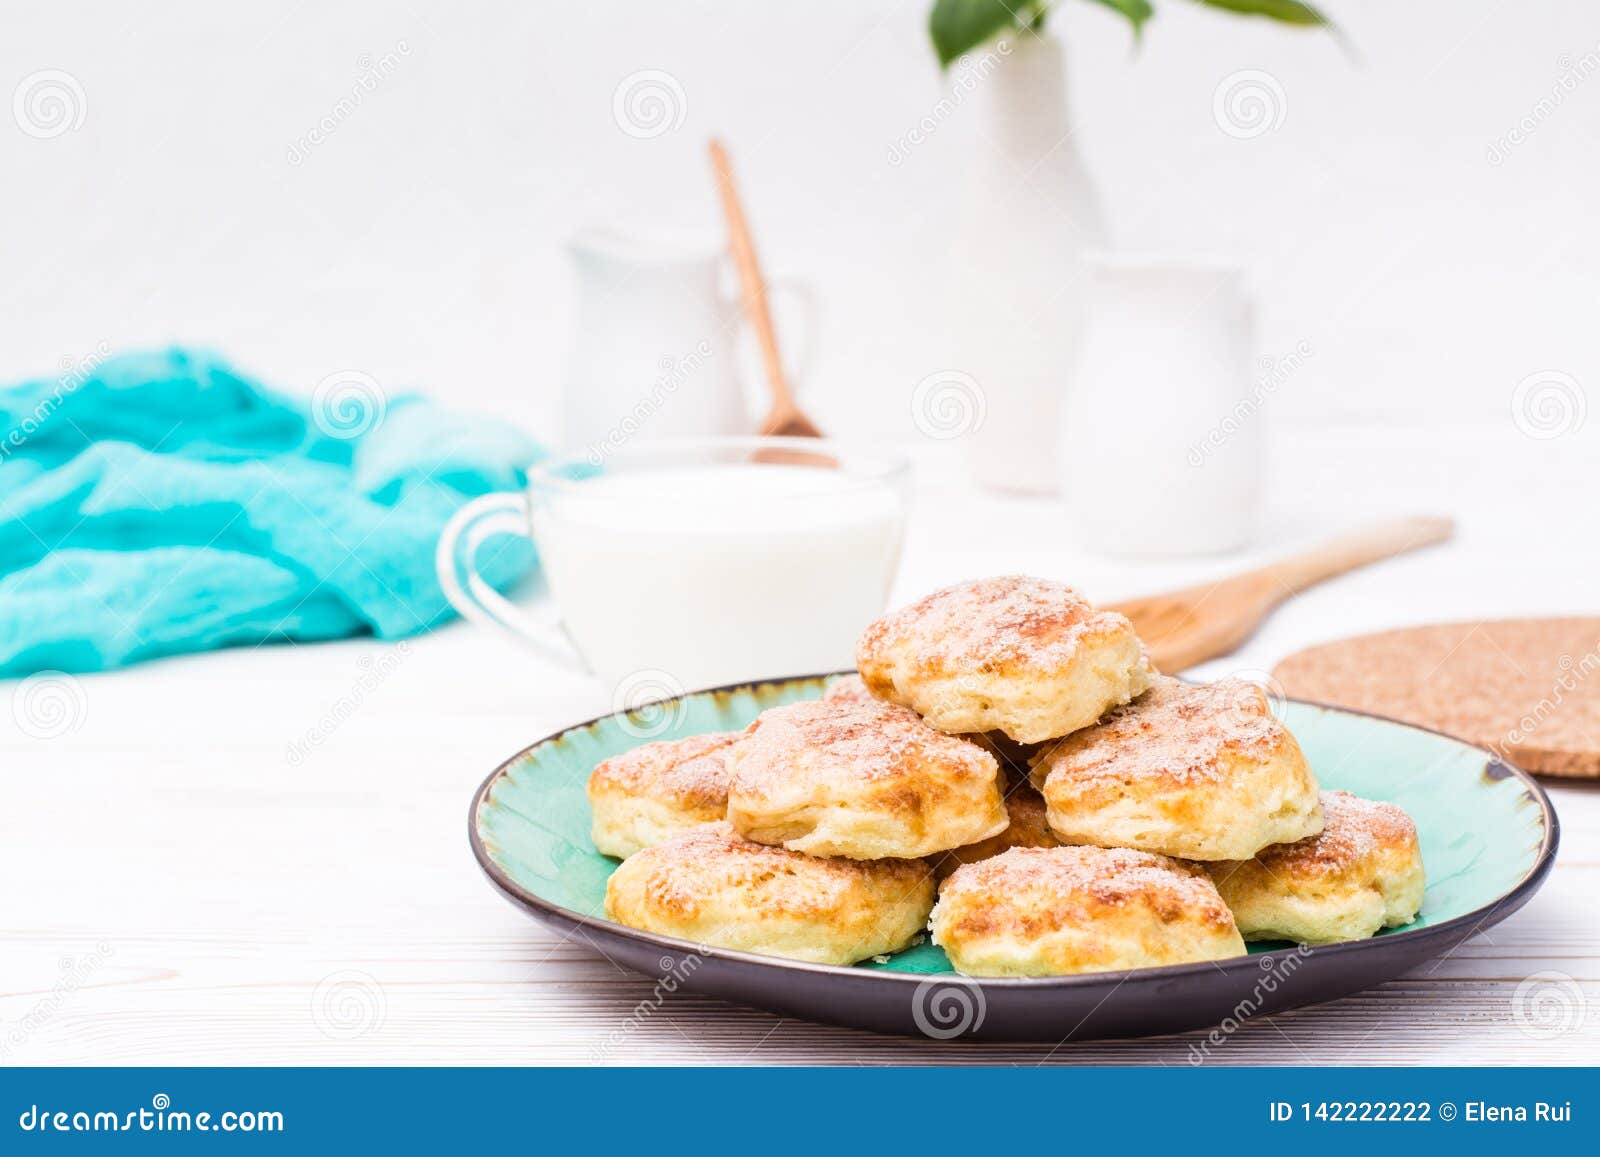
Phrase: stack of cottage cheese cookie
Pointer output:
(1009, 771)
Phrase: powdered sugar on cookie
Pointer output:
(991, 623)
(1175, 731)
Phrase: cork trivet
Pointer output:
(1528, 689)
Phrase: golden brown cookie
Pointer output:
(1362, 872)
(658, 790)
(1023, 656)
(713, 886)
(864, 780)
(1059, 911)
(1199, 771)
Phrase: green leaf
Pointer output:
(959, 26)
(1285, 11)
(1137, 12)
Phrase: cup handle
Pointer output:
(468, 529)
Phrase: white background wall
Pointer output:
(421, 241)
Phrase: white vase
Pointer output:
(1030, 215)
(1160, 434)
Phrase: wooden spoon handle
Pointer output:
(752, 289)
(1347, 552)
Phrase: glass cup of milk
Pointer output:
(685, 564)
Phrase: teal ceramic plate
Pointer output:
(1487, 829)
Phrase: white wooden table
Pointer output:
(178, 889)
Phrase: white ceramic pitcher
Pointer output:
(657, 349)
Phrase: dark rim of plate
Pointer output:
(1457, 928)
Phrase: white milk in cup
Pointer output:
(693, 564)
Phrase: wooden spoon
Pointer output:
(1187, 627)
(785, 419)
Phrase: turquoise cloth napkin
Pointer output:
(160, 503)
